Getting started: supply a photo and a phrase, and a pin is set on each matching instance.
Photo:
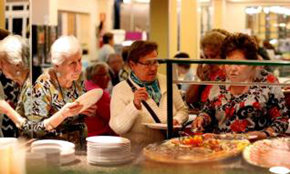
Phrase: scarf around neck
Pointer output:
(152, 88)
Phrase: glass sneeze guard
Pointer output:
(169, 74)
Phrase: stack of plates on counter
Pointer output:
(67, 149)
(7, 141)
(108, 150)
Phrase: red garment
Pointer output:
(99, 124)
(219, 75)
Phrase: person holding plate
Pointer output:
(258, 110)
(56, 91)
(144, 85)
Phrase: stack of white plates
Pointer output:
(108, 150)
(67, 149)
(7, 140)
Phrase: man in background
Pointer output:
(107, 48)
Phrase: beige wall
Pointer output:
(89, 25)
(106, 6)
(40, 14)
(45, 12)
(2, 15)
(190, 28)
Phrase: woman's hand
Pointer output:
(258, 134)
(91, 111)
(175, 122)
(140, 95)
(4, 107)
(71, 109)
(198, 124)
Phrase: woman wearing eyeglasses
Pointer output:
(256, 109)
(144, 84)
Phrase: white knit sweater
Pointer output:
(126, 120)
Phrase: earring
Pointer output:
(17, 73)
(57, 74)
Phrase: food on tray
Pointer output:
(194, 149)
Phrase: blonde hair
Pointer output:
(15, 50)
(64, 47)
(213, 39)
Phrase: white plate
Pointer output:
(63, 144)
(111, 162)
(89, 98)
(160, 126)
(7, 140)
(66, 148)
(108, 140)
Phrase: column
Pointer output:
(219, 9)
(2, 14)
(190, 27)
(163, 27)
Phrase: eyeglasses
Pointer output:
(149, 63)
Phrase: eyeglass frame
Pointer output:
(150, 64)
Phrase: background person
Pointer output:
(98, 77)
(107, 48)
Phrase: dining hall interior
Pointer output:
(145, 86)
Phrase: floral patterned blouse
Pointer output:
(260, 107)
(23, 106)
(48, 98)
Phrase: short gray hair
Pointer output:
(64, 47)
(93, 69)
(16, 51)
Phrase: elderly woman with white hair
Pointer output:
(15, 65)
(56, 90)
(14, 61)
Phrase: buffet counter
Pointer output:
(234, 165)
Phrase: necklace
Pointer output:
(61, 91)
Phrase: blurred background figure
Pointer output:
(261, 50)
(211, 44)
(125, 71)
(107, 48)
(270, 49)
(115, 63)
(184, 71)
(97, 77)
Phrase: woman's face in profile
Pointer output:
(239, 73)
(9, 70)
(146, 68)
(71, 68)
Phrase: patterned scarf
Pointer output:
(152, 88)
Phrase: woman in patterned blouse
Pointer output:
(14, 60)
(56, 90)
(259, 110)
(53, 97)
